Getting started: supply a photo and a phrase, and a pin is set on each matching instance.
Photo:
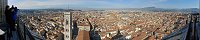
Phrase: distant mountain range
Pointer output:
(152, 9)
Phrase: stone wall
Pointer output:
(3, 4)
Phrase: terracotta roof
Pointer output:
(106, 38)
(83, 35)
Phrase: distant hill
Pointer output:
(150, 9)
(44, 10)
(154, 9)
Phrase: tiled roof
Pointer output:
(83, 35)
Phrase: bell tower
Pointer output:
(67, 25)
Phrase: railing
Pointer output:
(190, 31)
(25, 33)
(183, 30)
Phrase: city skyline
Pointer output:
(40, 4)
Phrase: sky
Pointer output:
(40, 4)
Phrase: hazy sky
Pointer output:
(34, 4)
